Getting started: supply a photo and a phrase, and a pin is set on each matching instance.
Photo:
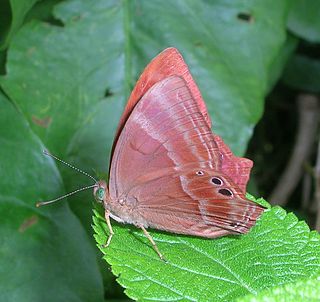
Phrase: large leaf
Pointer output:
(229, 56)
(45, 254)
(278, 250)
(58, 76)
(304, 19)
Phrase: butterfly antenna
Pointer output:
(43, 203)
(45, 152)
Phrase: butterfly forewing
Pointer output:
(169, 62)
(168, 168)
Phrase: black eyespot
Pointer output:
(200, 173)
(216, 181)
(225, 192)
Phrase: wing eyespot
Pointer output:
(225, 192)
(200, 173)
(217, 181)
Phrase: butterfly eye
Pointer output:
(200, 173)
(100, 194)
(225, 192)
(216, 181)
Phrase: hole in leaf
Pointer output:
(200, 173)
(108, 93)
(225, 192)
(246, 17)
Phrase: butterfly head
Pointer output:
(100, 191)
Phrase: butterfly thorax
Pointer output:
(121, 209)
(124, 210)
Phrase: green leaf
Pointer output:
(300, 291)
(2, 62)
(303, 73)
(12, 17)
(229, 57)
(304, 19)
(58, 76)
(70, 80)
(278, 250)
(45, 254)
(276, 69)
(86, 63)
(67, 103)
(42, 10)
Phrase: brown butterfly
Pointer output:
(168, 171)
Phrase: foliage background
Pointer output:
(67, 69)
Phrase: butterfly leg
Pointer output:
(151, 240)
(107, 217)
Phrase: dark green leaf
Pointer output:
(276, 69)
(2, 62)
(42, 10)
(58, 76)
(304, 19)
(228, 56)
(303, 73)
(95, 50)
(45, 254)
(278, 250)
(12, 15)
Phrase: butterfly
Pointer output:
(168, 171)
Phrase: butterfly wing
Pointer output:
(169, 62)
(188, 203)
(168, 168)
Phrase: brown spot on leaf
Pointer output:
(44, 122)
(27, 223)
(30, 51)
(77, 18)
(198, 44)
